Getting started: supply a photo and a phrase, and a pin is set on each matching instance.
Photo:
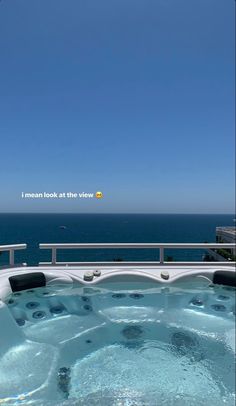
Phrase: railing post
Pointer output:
(161, 255)
(54, 256)
(11, 257)
(157, 246)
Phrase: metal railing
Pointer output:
(159, 246)
(11, 249)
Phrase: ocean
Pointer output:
(33, 229)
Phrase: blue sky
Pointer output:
(131, 97)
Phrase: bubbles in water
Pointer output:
(130, 377)
(63, 380)
(126, 373)
(184, 344)
(182, 341)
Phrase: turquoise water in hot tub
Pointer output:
(119, 345)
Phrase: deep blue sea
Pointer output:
(33, 229)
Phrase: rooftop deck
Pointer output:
(231, 231)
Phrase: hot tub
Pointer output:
(126, 337)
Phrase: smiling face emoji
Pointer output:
(99, 195)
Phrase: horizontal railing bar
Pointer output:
(145, 264)
(134, 245)
(13, 247)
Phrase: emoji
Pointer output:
(99, 195)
